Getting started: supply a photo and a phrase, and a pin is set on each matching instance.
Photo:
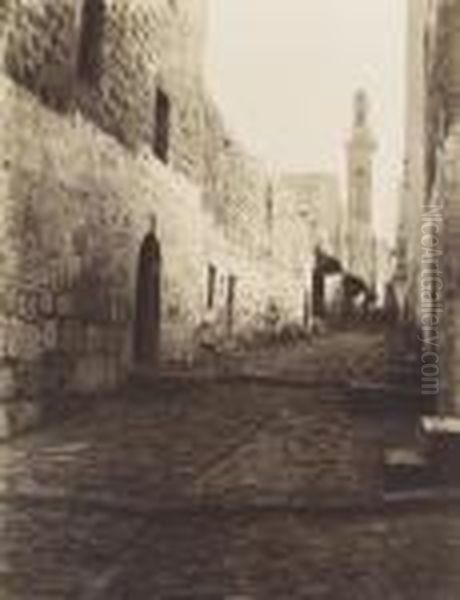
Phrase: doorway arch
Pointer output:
(147, 323)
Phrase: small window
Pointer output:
(91, 37)
(162, 125)
(269, 208)
(212, 280)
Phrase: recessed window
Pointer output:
(212, 281)
(162, 125)
(269, 208)
(91, 37)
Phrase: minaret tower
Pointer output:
(361, 149)
(360, 154)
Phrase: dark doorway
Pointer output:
(324, 265)
(306, 308)
(212, 281)
(231, 294)
(319, 308)
(148, 304)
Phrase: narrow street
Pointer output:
(109, 504)
(229, 300)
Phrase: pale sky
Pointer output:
(285, 71)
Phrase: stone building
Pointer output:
(440, 229)
(319, 205)
(431, 216)
(117, 170)
(318, 210)
(385, 267)
(412, 191)
(360, 233)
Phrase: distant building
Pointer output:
(314, 203)
(317, 203)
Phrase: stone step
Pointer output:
(407, 360)
(406, 371)
(409, 456)
(410, 477)
(401, 368)
(442, 439)
(415, 464)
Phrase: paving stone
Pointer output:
(104, 505)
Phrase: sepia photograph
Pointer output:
(229, 299)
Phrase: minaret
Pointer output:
(361, 149)
(360, 153)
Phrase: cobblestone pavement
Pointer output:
(341, 356)
(68, 551)
(101, 507)
(146, 449)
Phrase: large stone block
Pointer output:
(31, 347)
(41, 48)
(64, 305)
(46, 303)
(3, 336)
(13, 339)
(71, 337)
(50, 336)
(89, 375)
(18, 417)
(5, 430)
(26, 305)
(7, 382)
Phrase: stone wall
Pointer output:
(75, 211)
(438, 208)
(362, 251)
(315, 197)
(79, 180)
(137, 47)
(252, 233)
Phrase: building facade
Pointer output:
(316, 197)
(117, 170)
(413, 188)
(430, 222)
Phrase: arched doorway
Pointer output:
(148, 304)
(318, 292)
